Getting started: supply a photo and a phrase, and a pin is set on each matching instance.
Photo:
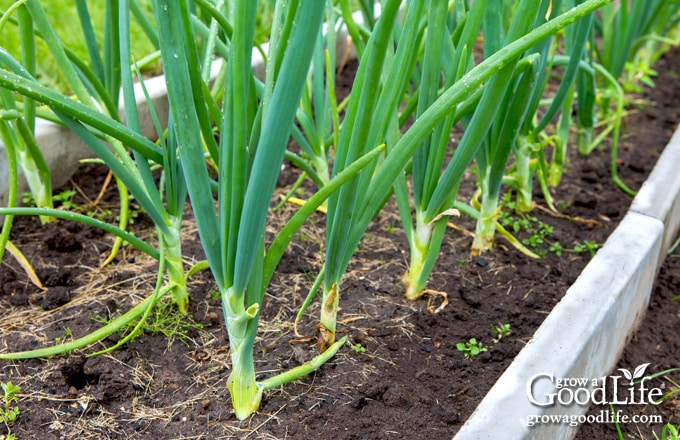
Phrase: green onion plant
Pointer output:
(18, 129)
(632, 31)
(99, 74)
(532, 141)
(17, 136)
(371, 110)
(429, 158)
(503, 132)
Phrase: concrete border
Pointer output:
(584, 335)
(659, 196)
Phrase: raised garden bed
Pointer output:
(402, 377)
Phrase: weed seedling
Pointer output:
(556, 248)
(471, 348)
(669, 432)
(502, 330)
(9, 413)
(63, 198)
(68, 333)
(538, 234)
(586, 246)
(358, 348)
(166, 321)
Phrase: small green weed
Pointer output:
(471, 348)
(501, 331)
(106, 214)
(587, 246)
(538, 235)
(556, 248)
(101, 214)
(68, 333)
(10, 412)
(390, 229)
(63, 199)
(358, 348)
(669, 432)
(165, 320)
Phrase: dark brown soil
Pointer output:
(400, 375)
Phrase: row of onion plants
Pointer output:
(515, 130)
(224, 142)
(372, 117)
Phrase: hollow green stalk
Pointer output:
(10, 151)
(613, 126)
(485, 227)
(470, 211)
(81, 218)
(29, 155)
(246, 393)
(493, 155)
(112, 327)
(173, 186)
(586, 88)
(426, 238)
(524, 172)
(559, 156)
(172, 245)
(318, 114)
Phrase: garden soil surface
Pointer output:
(399, 375)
